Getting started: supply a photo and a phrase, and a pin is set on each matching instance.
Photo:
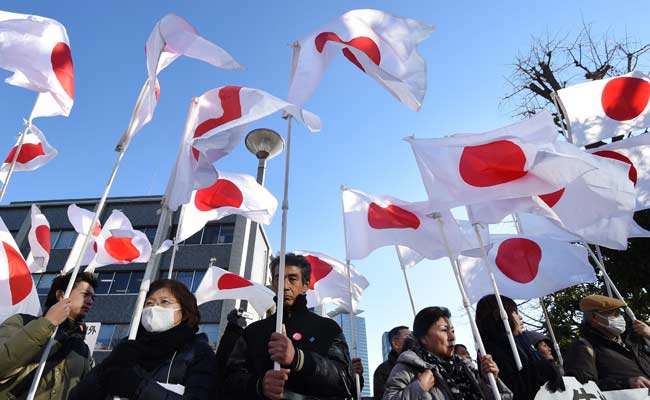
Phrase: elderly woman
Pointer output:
(167, 360)
(429, 369)
(536, 370)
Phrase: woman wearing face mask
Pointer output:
(536, 371)
(167, 360)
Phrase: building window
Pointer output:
(191, 279)
(110, 335)
(198, 277)
(63, 239)
(120, 283)
(212, 234)
(212, 330)
(44, 283)
(134, 283)
(104, 281)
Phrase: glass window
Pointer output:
(185, 277)
(194, 239)
(120, 283)
(121, 332)
(104, 281)
(212, 330)
(65, 239)
(226, 233)
(198, 277)
(104, 337)
(44, 283)
(210, 234)
(35, 278)
(134, 283)
(150, 231)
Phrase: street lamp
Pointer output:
(264, 144)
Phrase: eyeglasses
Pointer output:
(161, 303)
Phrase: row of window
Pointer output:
(111, 334)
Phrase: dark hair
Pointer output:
(488, 318)
(296, 261)
(189, 308)
(61, 283)
(394, 332)
(427, 317)
(459, 345)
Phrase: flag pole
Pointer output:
(466, 303)
(161, 232)
(75, 271)
(602, 261)
(175, 247)
(556, 345)
(497, 293)
(21, 140)
(406, 280)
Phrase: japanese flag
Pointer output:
(230, 194)
(218, 125)
(37, 50)
(328, 283)
(119, 243)
(39, 241)
(605, 108)
(381, 45)
(526, 267)
(80, 218)
(171, 38)
(17, 290)
(34, 153)
(219, 284)
(376, 221)
(518, 160)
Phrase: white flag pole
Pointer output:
(608, 286)
(406, 280)
(466, 303)
(161, 232)
(497, 293)
(175, 247)
(556, 346)
(84, 246)
(12, 166)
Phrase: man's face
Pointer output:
(293, 285)
(82, 298)
(600, 320)
(397, 342)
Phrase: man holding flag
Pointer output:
(311, 350)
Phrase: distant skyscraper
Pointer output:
(362, 346)
(385, 346)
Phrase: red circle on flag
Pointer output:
(232, 281)
(121, 248)
(551, 199)
(624, 98)
(20, 279)
(518, 259)
(390, 217)
(363, 43)
(223, 193)
(319, 270)
(28, 152)
(61, 59)
(620, 157)
(492, 163)
(43, 237)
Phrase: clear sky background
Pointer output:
(469, 56)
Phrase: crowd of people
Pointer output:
(169, 359)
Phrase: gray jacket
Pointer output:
(403, 384)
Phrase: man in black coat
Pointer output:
(311, 350)
(396, 338)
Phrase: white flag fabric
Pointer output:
(526, 267)
(328, 283)
(35, 153)
(80, 218)
(218, 125)
(408, 258)
(376, 221)
(231, 194)
(171, 38)
(119, 243)
(606, 108)
(518, 160)
(17, 289)
(37, 50)
(219, 284)
(39, 238)
(381, 45)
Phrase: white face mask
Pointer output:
(158, 319)
(615, 325)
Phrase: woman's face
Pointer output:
(440, 338)
(518, 323)
(164, 297)
(544, 350)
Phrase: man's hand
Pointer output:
(357, 367)
(639, 382)
(281, 349)
(59, 312)
(426, 379)
(273, 383)
(488, 366)
(641, 328)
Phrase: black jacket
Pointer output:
(610, 364)
(191, 367)
(382, 373)
(326, 371)
(231, 334)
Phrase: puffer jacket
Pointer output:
(192, 367)
(403, 384)
(382, 373)
(22, 341)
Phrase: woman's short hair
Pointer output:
(185, 298)
(427, 317)
(488, 318)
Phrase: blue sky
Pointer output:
(468, 56)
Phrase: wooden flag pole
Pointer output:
(466, 303)
(497, 293)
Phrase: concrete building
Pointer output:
(226, 240)
(343, 320)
